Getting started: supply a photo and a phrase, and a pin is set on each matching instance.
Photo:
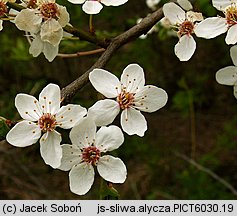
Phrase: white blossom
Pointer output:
(186, 23)
(185, 4)
(152, 4)
(132, 96)
(87, 150)
(45, 19)
(38, 46)
(95, 6)
(215, 26)
(43, 116)
(228, 75)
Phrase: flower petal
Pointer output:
(231, 37)
(49, 99)
(112, 169)
(150, 99)
(77, 1)
(109, 138)
(227, 75)
(222, 4)
(50, 148)
(133, 78)
(92, 7)
(211, 27)
(64, 17)
(185, 4)
(185, 48)
(83, 134)
(68, 116)
(71, 156)
(24, 133)
(105, 82)
(28, 107)
(194, 16)
(104, 111)
(152, 4)
(81, 178)
(133, 122)
(36, 46)
(174, 13)
(1, 26)
(233, 54)
(27, 20)
(113, 2)
(51, 32)
(50, 51)
(235, 91)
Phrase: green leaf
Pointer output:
(109, 192)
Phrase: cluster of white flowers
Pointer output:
(87, 150)
(215, 26)
(43, 20)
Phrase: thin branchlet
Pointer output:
(134, 32)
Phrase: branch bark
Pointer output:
(111, 46)
(144, 26)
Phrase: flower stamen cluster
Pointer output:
(47, 122)
(3, 8)
(231, 14)
(49, 10)
(125, 99)
(91, 155)
(186, 28)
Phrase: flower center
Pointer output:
(91, 155)
(186, 28)
(49, 10)
(3, 9)
(231, 14)
(125, 99)
(47, 122)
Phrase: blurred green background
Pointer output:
(198, 121)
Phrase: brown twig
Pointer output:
(111, 46)
(144, 26)
(208, 171)
(78, 54)
(82, 35)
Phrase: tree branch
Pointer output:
(209, 172)
(144, 26)
(83, 35)
(78, 54)
(111, 46)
